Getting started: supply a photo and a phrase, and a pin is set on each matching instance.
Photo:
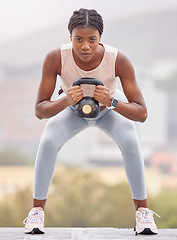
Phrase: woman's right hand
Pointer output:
(45, 107)
(74, 95)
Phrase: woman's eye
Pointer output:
(78, 39)
(92, 39)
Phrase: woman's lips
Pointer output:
(85, 54)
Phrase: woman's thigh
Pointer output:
(62, 127)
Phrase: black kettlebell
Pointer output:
(87, 107)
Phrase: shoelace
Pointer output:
(33, 217)
(146, 216)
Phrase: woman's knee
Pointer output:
(128, 139)
(130, 142)
(48, 142)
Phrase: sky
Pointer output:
(19, 17)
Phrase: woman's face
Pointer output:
(85, 42)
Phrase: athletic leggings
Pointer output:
(66, 125)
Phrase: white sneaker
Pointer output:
(34, 223)
(145, 222)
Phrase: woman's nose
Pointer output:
(85, 47)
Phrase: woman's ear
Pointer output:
(71, 37)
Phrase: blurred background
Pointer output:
(89, 187)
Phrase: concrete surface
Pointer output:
(85, 234)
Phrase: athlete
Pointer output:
(87, 57)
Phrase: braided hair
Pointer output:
(86, 18)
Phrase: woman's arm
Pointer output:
(135, 109)
(45, 108)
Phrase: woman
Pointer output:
(87, 57)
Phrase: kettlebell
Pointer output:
(87, 107)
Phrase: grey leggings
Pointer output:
(66, 125)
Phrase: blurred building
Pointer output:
(21, 129)
(18, 125)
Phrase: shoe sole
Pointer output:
(146, 231)
(35, 231)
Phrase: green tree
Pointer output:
(78, 198)
(14, 208)
(12, 157)
(165, 205)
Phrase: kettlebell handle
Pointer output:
(91, 81)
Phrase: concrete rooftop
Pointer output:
(85, 234)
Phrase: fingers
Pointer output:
(101, 94)
(75, 94)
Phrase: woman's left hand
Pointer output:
(101, 94)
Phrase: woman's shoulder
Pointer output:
(53, 54)
(123, 64)
(53, 60)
